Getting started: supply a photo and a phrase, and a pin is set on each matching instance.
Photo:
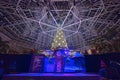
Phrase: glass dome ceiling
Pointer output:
(35, 22)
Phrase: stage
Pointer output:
(58, 67)
(52, 76)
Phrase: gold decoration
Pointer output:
(59, 40)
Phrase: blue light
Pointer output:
(76, 64)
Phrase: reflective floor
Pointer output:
(52, 74)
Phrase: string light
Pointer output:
(59, 40)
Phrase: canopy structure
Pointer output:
(83, 23)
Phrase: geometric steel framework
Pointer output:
(35, 22)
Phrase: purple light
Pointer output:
(66, 52)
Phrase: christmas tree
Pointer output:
(59, 40)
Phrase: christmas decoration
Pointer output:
(59, 40)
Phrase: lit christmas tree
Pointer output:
(59, 40)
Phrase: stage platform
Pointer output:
(51, 76)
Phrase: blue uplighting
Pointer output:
(71, 64)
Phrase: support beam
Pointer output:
(54, 19)
(71, 35)
(71, 24)
(68, 30)
(47, 25)
(51, 30)
(67, 16)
